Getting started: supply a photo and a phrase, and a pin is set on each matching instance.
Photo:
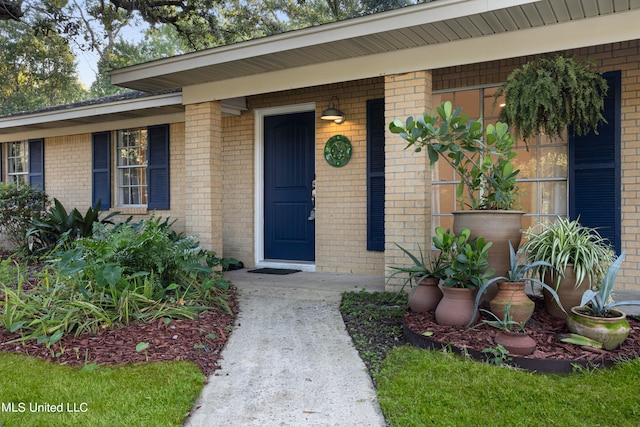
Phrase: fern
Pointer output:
(548, 94)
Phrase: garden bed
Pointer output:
(551, 355)
(200, 341)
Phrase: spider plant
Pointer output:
(567, 242)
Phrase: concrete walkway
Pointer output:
(290, 360)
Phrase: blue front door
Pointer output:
(289, 169)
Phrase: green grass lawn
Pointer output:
(427, 388)
(149, 394)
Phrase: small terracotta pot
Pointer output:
(512, 294)
(516, 342)
(610, 331)
(425, 296)
(456, 307)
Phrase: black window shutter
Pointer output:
(36, 163)
(594, 171)
(158, 167)
(375, 175)
(101, 170)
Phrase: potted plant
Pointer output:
(483, 161)
(596, 318)
(550, 93)
(425, 274)
(511, 295)
(578, 256)
(513, 335)
(467, 270)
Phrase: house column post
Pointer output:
(407, 174)
(203, 173)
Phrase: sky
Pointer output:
(87, 60)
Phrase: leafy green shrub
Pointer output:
(123, 273)
(56, 224)
(18, 205)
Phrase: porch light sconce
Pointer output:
(332, 113)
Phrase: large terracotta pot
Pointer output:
(513, 295)
(499, 227)
(456, 307)
(610, 331)
(568, 294)
(516, 343)
(425, 296)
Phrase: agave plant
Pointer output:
(507, 324)
(422, 267)
(517, 273)
(599, 302)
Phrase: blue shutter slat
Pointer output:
(101, 170)
(36, 163)
(158, 168)
(375, 175)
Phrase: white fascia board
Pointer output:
(570, 35)
(94, 127)
(435, 11)
(84, 111)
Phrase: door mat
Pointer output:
(279, 271)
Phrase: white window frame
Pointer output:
(17, 177)
(120, 169)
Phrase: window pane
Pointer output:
(444, 198)
(553, 198)
(525, 160)
(491, 110)
(469, 100)
(553, 162)
(444, 221)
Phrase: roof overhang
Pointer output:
(426, 36)
(98, 115)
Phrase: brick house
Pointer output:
(229, 140)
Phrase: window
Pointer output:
(131, 166)
(141, 168)
(543, 165)
(18, 162)
(25, 162)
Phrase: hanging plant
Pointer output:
(548, 94)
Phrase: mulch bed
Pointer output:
(542, 327)
(177, 339)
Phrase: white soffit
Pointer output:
(382, 32)
(571, 35)
(380, 36)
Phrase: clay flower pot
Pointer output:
(425, 296)
(568, 294)
(512, 294)
(519, 343)
(456, 307)
(610, 331)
